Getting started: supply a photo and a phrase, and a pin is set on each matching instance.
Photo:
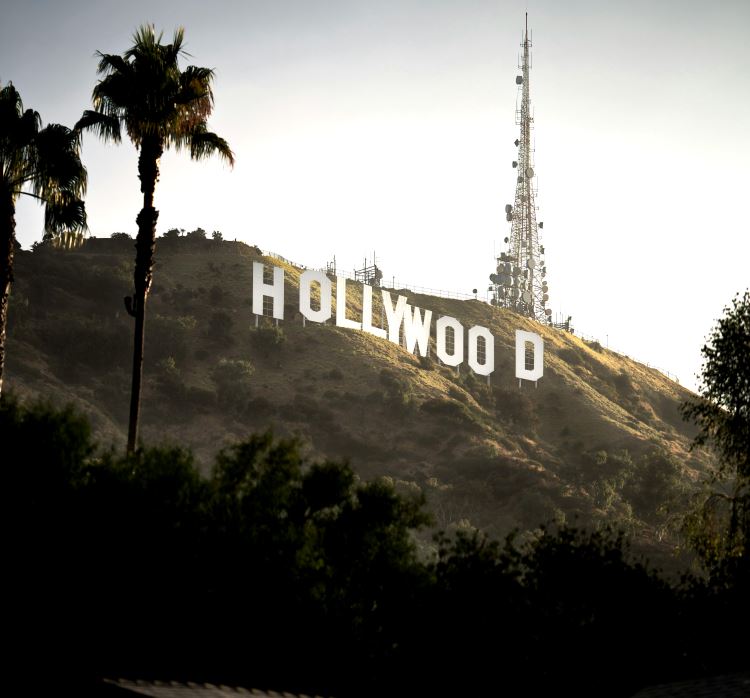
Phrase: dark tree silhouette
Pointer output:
(43, 163)
(159, 106)
(277, 572)
(722, 413)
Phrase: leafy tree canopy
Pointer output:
(722, 413)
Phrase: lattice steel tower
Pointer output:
(519, 282)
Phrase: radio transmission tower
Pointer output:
(519, 282)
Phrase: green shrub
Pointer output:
(169, 335)
(220, 327)
(268, 340)
(571, 356)
(233, 383)
(623, 383)
(515, 407)
(169, 378)
(450, 409)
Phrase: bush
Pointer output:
(78, 344)
(169, 378)
(168, 335)
(216, 294)
(290, 550)
(397, 397)
(515, 407)
(571, 356)
(457, 394)
(450, 409)
(268, 340)
(623, 383)
(233, 383)
(220, 327)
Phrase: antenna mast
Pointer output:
(519, 283)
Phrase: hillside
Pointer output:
(600, 437)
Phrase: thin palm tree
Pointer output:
(45, 164)
(159, 106)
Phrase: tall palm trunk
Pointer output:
(7, 229)
(145, 244)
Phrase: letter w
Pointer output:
(417, 329)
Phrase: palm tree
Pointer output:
(43, 163)
(159, 106)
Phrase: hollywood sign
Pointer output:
(411, 322)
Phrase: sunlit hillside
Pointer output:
(600, 437)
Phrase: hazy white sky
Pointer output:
(388, 125)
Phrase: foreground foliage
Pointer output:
(277, 572)
(720, 526)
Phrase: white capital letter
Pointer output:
(417, 330)
(305, 307)
(274, 290)
(489, 351)
(367, 325)
(394, 316)
(537, 371)
(341, 319)
(458, 340)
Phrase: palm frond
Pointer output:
(29, 125)
(144, 41)
(195, 83)
(175, 50)
(204, 143)
(111, 63)
(17, 127)
(65, 214)
(106, 126)
(10, 100)
(56, 163)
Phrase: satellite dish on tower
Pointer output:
(531, 263)
(526, 297)
(519, 79)
(508, 208)
(529, 172)
(515, 164)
